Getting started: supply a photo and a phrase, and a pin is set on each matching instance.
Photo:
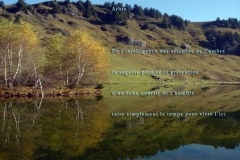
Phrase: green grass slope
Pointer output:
(211, 67)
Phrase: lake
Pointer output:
(124, 126)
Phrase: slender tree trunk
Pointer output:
(40, 84)
(61, 74)
(19, 63)
(80, 69)
(67, 77)
(4, 117)
(1, 63)
(17, 127)
(80, 73)
(5, 69)
(35, 72)
(66, 106)
(9, 56)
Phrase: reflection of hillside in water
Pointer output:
(83, 128)
(54, 129)
(146, 137)
(134, 137)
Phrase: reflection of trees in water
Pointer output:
(71, 134)
(163, 134)
(63, 128)
(15, 119)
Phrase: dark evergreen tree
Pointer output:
(182, 25)
(107, 5)
(89, 8)
(169, 23)
(237, 37)
(67, 1)
(135, 9)
(2, 5)
(165, 22)
(30, 8)
(21, 5)
(124, 18)
(230, 37)
(234, 26)
(152, 13)
(113, 4)
(80, 6)
(165, 15)
(218, 21)
(128, 8)
(186, 22)
(140, 11)
(120, 16)
(158, 14)
(226, 24)
(230, 23)
(56, 8)
(178, 22)
(146, 12)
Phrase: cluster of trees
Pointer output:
(167, 21)
(119, 16)
(72, 57)
(21, 5)
(2, 5)
(230, 23)
(178, 22)
(17, 41)
(173, 20)
(85, 7)
(218, 38)
(56, 8)
(69, 59)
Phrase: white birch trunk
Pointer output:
(19, 63)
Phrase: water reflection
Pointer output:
(84, 128)
(168, 138)
(50, 128)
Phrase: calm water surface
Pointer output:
(84, 128)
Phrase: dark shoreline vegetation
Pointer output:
(30, 92)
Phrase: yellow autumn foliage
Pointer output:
(78, 55)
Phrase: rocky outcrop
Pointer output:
(185, 46)
(131, 15)
(135, 42)
(151, 38)
(49, 16)
(71, 10)
(104, 28)
(58, 18)
(27, 12)
(132, 41)
(73, 24)
(54, 31)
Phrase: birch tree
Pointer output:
(78, 55)
(16, 41)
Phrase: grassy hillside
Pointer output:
(211, 67)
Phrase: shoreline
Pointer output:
(30, 92)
